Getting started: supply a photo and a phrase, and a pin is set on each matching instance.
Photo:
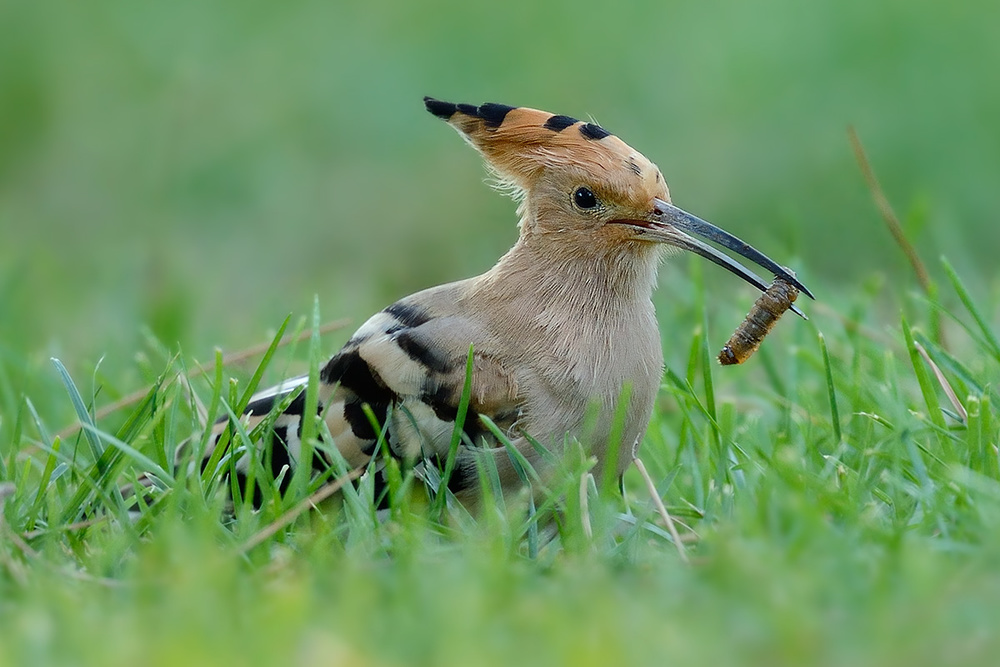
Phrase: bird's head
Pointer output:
(581, 186)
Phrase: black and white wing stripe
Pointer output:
(408, 367)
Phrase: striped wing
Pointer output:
(409, 368)
(406, 367)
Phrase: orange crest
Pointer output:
(519, 142)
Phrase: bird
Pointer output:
(562, 329)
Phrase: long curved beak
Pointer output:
(672, 226)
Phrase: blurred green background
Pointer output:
(206, 167)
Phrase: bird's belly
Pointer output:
(585, 399)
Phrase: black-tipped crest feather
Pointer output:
(492, 114)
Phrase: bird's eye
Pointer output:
(584, 198)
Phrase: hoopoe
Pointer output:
(562, 325)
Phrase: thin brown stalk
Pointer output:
(227, 360)
(68, 528)
(322, 494)
(896, 229)
(943, 381)
(887, 212)
(662, 509)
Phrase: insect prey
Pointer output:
(769, 306)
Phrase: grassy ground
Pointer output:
(180, 175)
(840, 508)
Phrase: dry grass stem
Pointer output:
(661, 508)
(227, 360)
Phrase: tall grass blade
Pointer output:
(43, 485)
(222, 442)
(950, 363)
(609, 477)
(133, 453)
(265, 361)
(300, 479)
(80, 407)
(970, 305)
(831, 391)
(926, 387)
(456, 434)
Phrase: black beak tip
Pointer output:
(790, 277)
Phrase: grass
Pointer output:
(842, 508)
(838, 496)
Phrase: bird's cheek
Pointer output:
(617, 233)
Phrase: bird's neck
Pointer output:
(596, 280)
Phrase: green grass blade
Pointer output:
(834, 412)
(609, 477)
(235, 405)
(532, 528)
(133, 453)
(43, 431)
(80, 407)
(303, 470)
(525, 471)
(43, 485)
(949, 362)
(970, 305)
(491, 488)
(924, 381)
(258, 373)
(222, 443)
(456, 434)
